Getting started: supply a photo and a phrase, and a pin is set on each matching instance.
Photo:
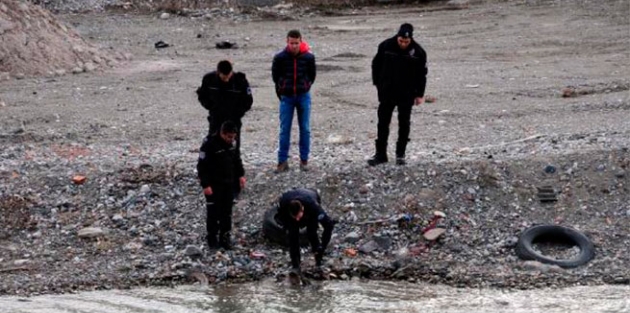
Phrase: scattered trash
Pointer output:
(161, 44)
(257, 255)
(439, 214)
(226, 44)
(550, 169)
(546, 194)
(350, 252)
(433, 234)
(568, 92)
(79, 180)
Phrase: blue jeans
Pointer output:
(289, 104)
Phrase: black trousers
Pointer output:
(385, 112)
(313, 238)
(219, 211)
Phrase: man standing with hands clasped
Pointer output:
(399, 72)
(293, 73)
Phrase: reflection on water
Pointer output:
(338, 297)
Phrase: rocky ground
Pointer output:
(518, 87)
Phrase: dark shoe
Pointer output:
(282, 167)
(225, 241)
(319, 256)
(400, 161)
(376, 160)
(318, 259)
(304, 166)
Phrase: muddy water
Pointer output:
(338, 297)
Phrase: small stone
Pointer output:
(364, 189)
(601, 167)
(21, 262)
(620, 174)
(434, 234)
(91, 232)
(164, 16)
(89, 67)
(511, 242)
(117, 218)
(192, 251)
(145, 189)
(369, 246)
(77, 70)
(132, 246)
(385, 242)
(351, 237)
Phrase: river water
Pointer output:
(337, 297)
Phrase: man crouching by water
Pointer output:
(301, 207)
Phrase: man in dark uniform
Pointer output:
(220, 167)
(299, 208)
(227, 97)
(399, 72)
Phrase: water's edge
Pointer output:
(353, 296)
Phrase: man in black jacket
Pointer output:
(219, 167)
(293, 73)
(227, 97)
(399, 72)
(301, 207)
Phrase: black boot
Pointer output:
(319, 256)
(401, 146)
(380, 156)
(225, 241)
(213, 243)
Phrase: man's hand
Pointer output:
(207, 191)
(242, 182)
(419, 100)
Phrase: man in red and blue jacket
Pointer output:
(293, 72)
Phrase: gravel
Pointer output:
(133, 133)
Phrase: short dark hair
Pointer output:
(224, 67)
(229, 127)
(294, 33)
(294, 207)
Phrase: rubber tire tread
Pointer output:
(525, 250)
(275, 233)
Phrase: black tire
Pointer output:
(274, 232)
(525, 250)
